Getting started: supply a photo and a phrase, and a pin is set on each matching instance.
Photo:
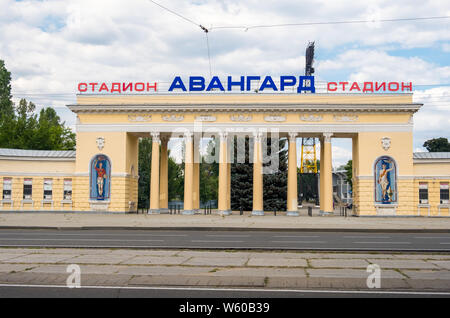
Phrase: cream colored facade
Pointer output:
(378, 124)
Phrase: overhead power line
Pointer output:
(193, 22)
(326, 23)
(173, 12)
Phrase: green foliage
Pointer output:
(209, 174)
(175, 175)
(275, 183)
(242, 181)
(22, 128)
(307, 186)
(437, 145)
(176, 180)
(6, 104)
(144, 160)
(349, 172)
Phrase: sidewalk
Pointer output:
(214, 221)
(120, 267)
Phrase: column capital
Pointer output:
(257, 136)
(155, 136)
(223, 135)
(292, 136)
(188, 135)
(327, 137)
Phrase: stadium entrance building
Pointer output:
(102, 175)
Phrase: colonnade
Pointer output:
(159, 181)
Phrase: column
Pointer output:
(223, 175)
(229, 186)
(163, 176)
(258, 208)
(188, 174)
(196, 181)
(154, 178)
(327, 176)
(321, 175)
(292, 204)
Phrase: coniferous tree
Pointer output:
(275, 181)
(242, 180)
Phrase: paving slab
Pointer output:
(85, 269)
(428, 274)
(40, 258)
(429, 284)
(33, 278)
(277, 262)
(339, 263)
(441, 264)
(350, 273)
(260, 272)
(97, 259)
(163, 270)
(144, 252)
(195, 280)
(105, 280)
(211, 254)
(157, 260)
(402, 264)
(70, 251)
(349, 255)
(421, 256)
(8, 268)
(9, 256)
(279, 255)
(216, 261)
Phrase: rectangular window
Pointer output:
(444, 193)
(68, 189)
(7, 187)
(423, 192)
(48, 189)
(27, 189)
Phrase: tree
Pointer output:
(6, 104)
(209, 174)
(50, 133)
(175, 175)
(176, 180)
(242, 180)
(144, 159)
(349, 173)
(22, 128)
(275, 182)
(437, 145)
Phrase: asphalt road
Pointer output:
(42, 291)
(335, 241)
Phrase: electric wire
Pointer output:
(193, 22)
(173, 12)
(326, 23)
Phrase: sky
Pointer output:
(50, 46)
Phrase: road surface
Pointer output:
(271, 240)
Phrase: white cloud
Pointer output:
(50, 46)
(377, 65)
